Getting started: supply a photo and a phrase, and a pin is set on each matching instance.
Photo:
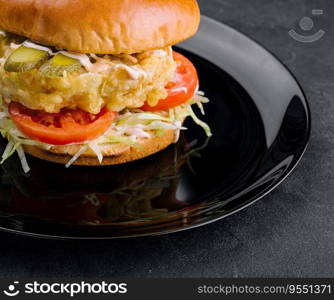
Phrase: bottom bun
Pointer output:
(113, 155)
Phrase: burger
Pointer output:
(95, 82)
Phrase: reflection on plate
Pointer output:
(143, 191)
(261, 125)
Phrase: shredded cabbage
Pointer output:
(111, 139)
(23, 159)
(9, 150)
(142, 118)
(200, 123)
(128, 129)
(77, 155)
(96, 149)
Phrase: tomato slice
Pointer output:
(181, 88)
(66, 127)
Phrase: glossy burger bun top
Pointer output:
(102, 26)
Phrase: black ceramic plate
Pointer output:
(261, 125)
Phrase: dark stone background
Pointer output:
(288, 233)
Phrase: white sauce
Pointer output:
(83, 58)
(101, 65)
(137, 132)
(160, 53)
(133, 132)
(32, 45)
(133, 73)
(2, 33)
(180, 89)
(14, 46)
(177, 77)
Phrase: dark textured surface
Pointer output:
(288, 233)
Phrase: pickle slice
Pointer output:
(58, 64)
(24, 59)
